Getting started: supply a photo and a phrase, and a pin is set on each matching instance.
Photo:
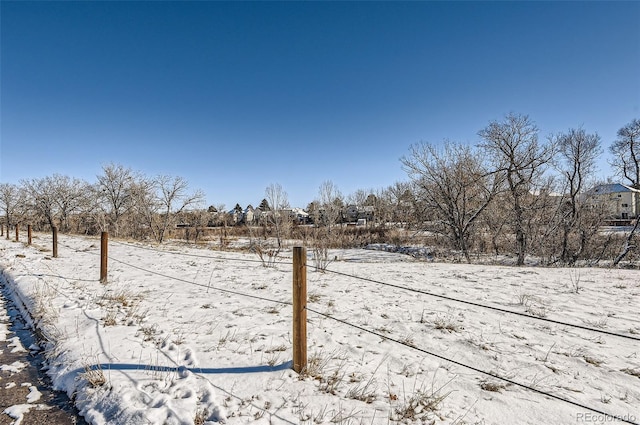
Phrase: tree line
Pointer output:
(511, 193)
(515, 190)
(122, 201)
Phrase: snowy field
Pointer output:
(181, 335)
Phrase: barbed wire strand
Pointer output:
(184, 280)
(200, 284)
(502, 310)
(185, 254)
(161, 251)
(445, 297)
(493, 375)
(187, 281)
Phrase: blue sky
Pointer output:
(235, 96)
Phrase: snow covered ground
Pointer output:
(181, 335)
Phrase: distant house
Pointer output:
(299, 215)
(354, 213)
(234, 216)
(622, 202)
(248, 215)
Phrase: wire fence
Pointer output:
(181, 280)
(488, 307)
(475, 369)
(609, 416)
(408, 289)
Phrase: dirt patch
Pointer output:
(24, 392)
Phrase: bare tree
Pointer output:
(626, 153)
(514, 148)
(145, 207)
(330, 204)
(279, 219)
(90, 218)
(629, 243)
(70, 194)
(115, 186)
(41, 199)
(544, 208)
(12, 202)
(172, 197)
(56, 199)
(456, 187)
(195, 221)
(578, 153)
(495, 221)
(399, 200)
(358, 197)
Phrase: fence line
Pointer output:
(183, 280)
(200, 284)
(185, 254)
(493, 375)
(475, 304)
(439, 356)
(419, 291)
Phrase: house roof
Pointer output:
(612, 188)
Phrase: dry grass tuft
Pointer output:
(201, 417)
(148, 332)
(632, 372)
(314, 297)
(277, 348)
(446, 324)
(593, 361)
(110, 319)
(419, 407)
(317, 364)
(93, 375)
(495, 387)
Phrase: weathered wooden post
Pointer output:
(104, 245)
(29, 234)
(17, 233)
(299, 309)
(55, 241)
(2, 229)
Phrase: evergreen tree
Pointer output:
(264, 205)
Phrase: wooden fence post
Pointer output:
(28, 234)
(299, 309)
(2, 229)
(17, 233)
(104, 245)
(55, 241)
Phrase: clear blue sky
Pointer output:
(236, 96)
